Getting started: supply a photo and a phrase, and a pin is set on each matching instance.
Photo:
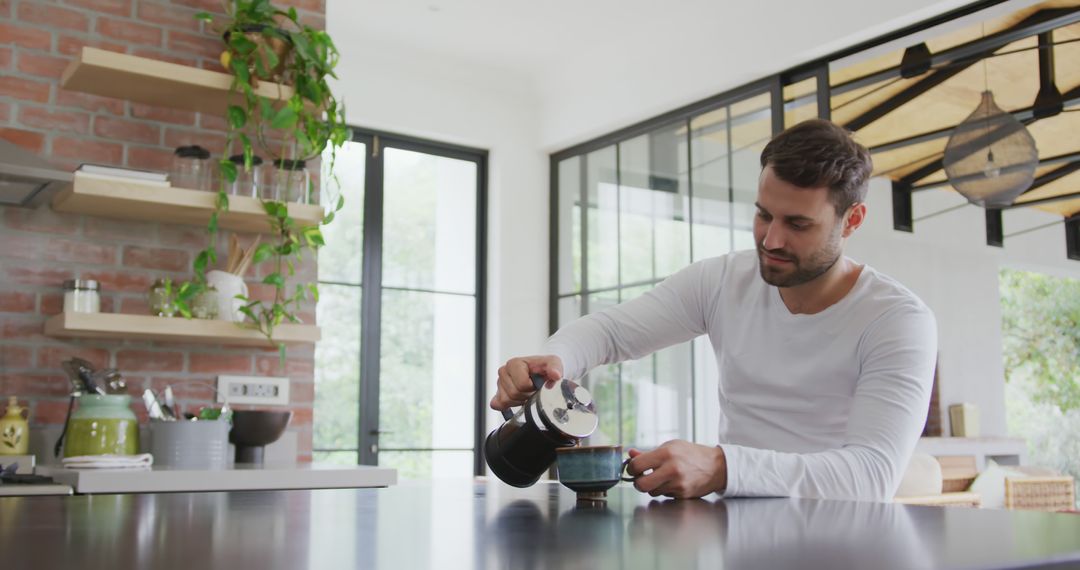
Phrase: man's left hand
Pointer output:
(679, 469)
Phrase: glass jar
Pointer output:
(191, 168)
(160, 299)
(103, 424)
(82, 296)
(291, 181)
(248, 182)
(205, 304)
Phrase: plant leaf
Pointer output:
(204, 17)
(201, 261)
(274, 279)
(239, 42)
(262, 253)
(284, 119)
(240, 70)
(228, 170)
(237, 117)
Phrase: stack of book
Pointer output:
(115, 172)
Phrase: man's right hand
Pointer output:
(515, 385)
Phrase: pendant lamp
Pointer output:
(991, 157)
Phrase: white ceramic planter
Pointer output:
(228, 287)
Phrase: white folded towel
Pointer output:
(142, 461)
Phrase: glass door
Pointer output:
(397, 373)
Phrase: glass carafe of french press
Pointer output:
(558, 414)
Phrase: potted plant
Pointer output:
(295, 129)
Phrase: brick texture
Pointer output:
(42, 247)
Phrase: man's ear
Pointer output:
(854, 218)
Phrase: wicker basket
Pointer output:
(1045, 493)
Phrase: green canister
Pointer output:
(103, 424)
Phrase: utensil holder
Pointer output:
(228, 287)
(190, 445)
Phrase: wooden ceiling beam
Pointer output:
(1037, 23)
(1048, 161)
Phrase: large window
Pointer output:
(1040, 325)
(401, 308)
(636, 207)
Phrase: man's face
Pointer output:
(797, 232)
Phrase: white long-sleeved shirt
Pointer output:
(826, 405)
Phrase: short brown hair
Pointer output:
(818, 153)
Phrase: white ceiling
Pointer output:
(596, 65)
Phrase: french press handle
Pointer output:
(538, 382)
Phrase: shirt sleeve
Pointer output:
(673, 312)
(897, 356)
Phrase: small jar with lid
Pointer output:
(161, 300)
(248, 182)
(191, 168)
(205, 304)
(82, 296)
(291, 181)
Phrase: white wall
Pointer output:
(947, 263)
(390, 88)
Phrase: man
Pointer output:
(825, 364)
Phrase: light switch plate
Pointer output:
(259, 390)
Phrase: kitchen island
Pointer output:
(238, 477)
(486, 524)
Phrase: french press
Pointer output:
(558, 414)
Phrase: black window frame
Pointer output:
(376, 141)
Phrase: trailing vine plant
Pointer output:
(301, 126)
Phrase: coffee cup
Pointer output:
(591, 470)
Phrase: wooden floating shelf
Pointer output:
(135, 200)
(174, 329)
(159, 83)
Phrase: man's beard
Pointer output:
(800, 272)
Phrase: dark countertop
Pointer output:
(466, 524)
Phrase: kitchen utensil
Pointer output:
(169, 407)
(246, 256)
(559, 414)
(111, 380)
(234, 254)
(77, 369)
(153, 407)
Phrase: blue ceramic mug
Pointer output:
(591, 470)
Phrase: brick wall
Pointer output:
(40, 248)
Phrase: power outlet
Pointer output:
(260, 390)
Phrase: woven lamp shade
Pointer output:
(991, 157)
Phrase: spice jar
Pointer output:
(160, 299)
(291, 181)
(191, 168)
(82, 296)
(248, 182)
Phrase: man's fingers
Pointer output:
(507, 394)
(641, 462)
(515, 384)
(654, 481)
(509, 388)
